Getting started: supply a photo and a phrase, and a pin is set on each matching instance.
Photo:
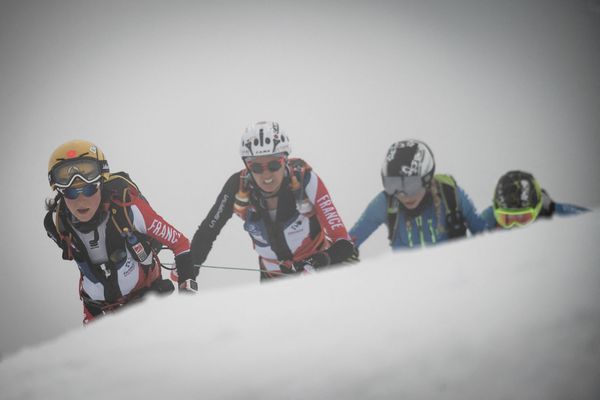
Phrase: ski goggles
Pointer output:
(408, 185)
(509, 218)
(88, 190)
(259, 168)
(64, 174)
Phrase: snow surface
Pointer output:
(507, 315)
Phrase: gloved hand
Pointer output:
(162, 286)
(317, 260)
(188, 286)
(298, 267)
(308, 265)
(343, 252)
(354, 258)
(185, 269)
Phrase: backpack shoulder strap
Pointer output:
(447, 184)
(392, 216)
(118, 187)
(298, 170)
(119, 181)
(455, 222)
(119, 212)
(55, 229)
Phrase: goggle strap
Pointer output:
(104, 166)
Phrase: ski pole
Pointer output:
(234, 268)
(243, 269)
(220, 267)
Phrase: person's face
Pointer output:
(86, 200)
(267, 171)
(411, 202)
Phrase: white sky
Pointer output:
(166, 88)
(510, 315)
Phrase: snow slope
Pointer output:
(509, 315)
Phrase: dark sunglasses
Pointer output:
(273, 165)
(88, 190)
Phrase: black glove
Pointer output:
(342, 252)
(308, 265)
(185, 269)
(162, 286)
(317, 260)
(287, 269)
(354, 258)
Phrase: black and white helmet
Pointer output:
(408, 167)
(264, 138)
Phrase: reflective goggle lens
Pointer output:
(87, 169)
(88, 190)
(273, 165)
(508, 219)
(408, 185)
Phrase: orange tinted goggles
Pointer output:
(510, 218)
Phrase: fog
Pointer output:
(165, 89)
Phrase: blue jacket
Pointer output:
(415, 228)
(549, 208)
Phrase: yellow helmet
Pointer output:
(76, 159)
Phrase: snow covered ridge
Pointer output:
(509, 315)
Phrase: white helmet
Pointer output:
(264, 138)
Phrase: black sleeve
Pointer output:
(216, 219)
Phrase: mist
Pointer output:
(165, 89)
